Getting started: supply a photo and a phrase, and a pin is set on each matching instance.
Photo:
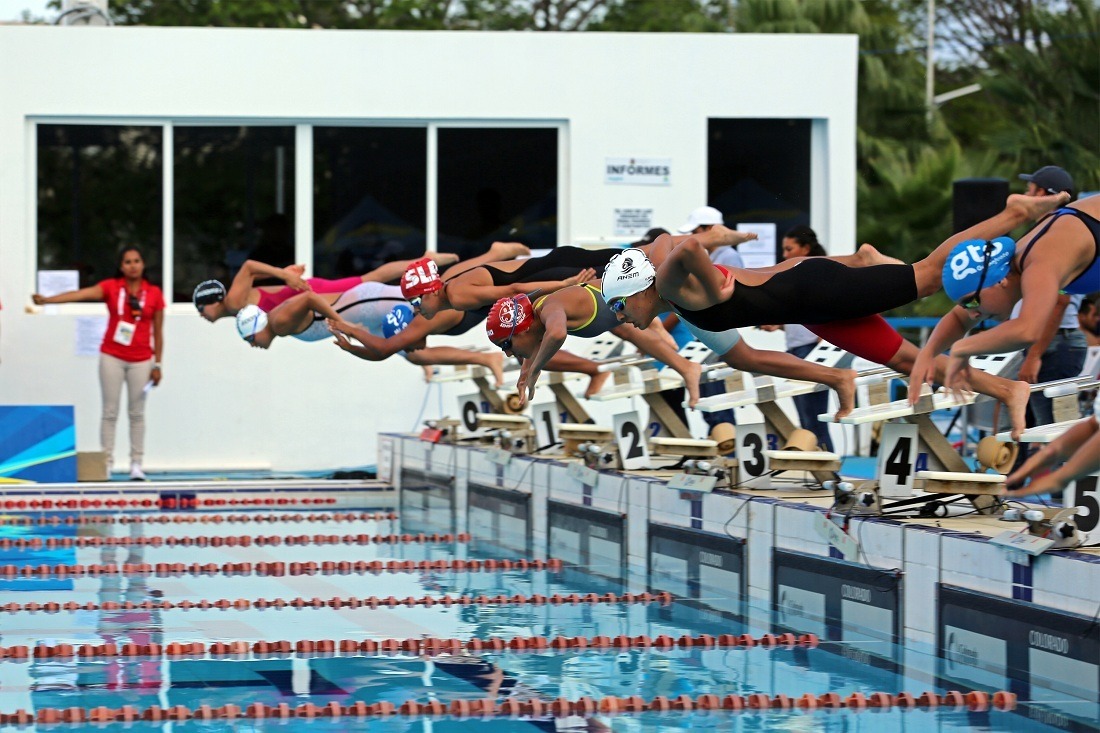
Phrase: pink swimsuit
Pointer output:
(319, 284)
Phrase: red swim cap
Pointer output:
(421, 277)
(508, 317)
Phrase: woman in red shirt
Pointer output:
(131, 349)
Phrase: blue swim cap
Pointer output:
(962, 273)
(397, 320)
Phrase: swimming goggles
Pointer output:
(974, 302)
(617, 305)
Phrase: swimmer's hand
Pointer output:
(957, 377)
(585, 275)
(342, 340)
(293, 277)
(339, 327)
(525, 385)
(923, 372)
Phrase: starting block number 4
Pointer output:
(1084, 493)
(633, 451)
(752, 441)
(468, 407)
(545, 417)
(897, 459)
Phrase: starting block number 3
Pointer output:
(752, 441)
(633, 451)
(897, 459)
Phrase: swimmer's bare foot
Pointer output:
(1036, 207)
(429, 372)
(495, 363)
(508, 251)
(691, 372)
(731, 237)
(595, 384)
(845, 387)
(443, 259)
(1015, 399)
(868, 255)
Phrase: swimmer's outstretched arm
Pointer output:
(391, 271)
(556, 324)
(241, 287)
(471, 297)
(376, 348)
(293, 316)
(1080, 444)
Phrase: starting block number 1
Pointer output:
(897, 459)
(633, 451)
(545, 417)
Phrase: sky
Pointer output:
(12, 10)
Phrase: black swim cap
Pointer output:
(207, 292)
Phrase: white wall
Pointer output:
(307, 405)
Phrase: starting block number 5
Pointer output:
(897, 459)
(1084, 493)
(633, 451)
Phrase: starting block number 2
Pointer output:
(633, 451)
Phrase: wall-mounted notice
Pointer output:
(89, 334)
(638, 171)
(55, 282)
(760, 252)
(633, 222)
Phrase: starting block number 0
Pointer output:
(897, 459)
(1084, 493)
(633, 451)
(468, 407)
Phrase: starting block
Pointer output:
(444, 430)
(1047, 528)
(686, 447)
(594, 444)
(516, 432)
(979, 488)
(799, 460)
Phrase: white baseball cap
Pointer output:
(703, 216)
(627, 273)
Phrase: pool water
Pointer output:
(347, 677)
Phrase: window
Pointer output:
(234, 200)
(497, 184)
(759, 171)
(369, 197)
(99, 189)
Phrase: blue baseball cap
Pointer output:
(397, 320)
(976, 264)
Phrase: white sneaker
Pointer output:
(136, 474)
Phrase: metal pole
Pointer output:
(930, 62)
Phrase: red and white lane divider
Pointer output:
(328, 567)
(243, 604)
(194, 519)
(975, 700)
(185, 502)
(429, 645)
(38, 543)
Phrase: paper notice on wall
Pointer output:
(55, 282)
(89, 334)
(760, 252)
(633, 222)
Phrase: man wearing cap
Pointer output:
(1059, 352)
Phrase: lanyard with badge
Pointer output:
(124, 330)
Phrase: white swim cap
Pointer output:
(627, 273)
(250, 321)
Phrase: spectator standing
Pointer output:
(801, 241)
(131, 350)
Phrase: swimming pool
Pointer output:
(293, 611)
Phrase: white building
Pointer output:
(204, 143)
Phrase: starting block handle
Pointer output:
(624, 363)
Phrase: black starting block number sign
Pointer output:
(752, 441)
(1084, 493)
(897, 458)
(468, 407)
(633, 451)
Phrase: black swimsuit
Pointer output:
(559, 264)
(469, 320)
(816, 290)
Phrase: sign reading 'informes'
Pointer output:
(638, 171)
